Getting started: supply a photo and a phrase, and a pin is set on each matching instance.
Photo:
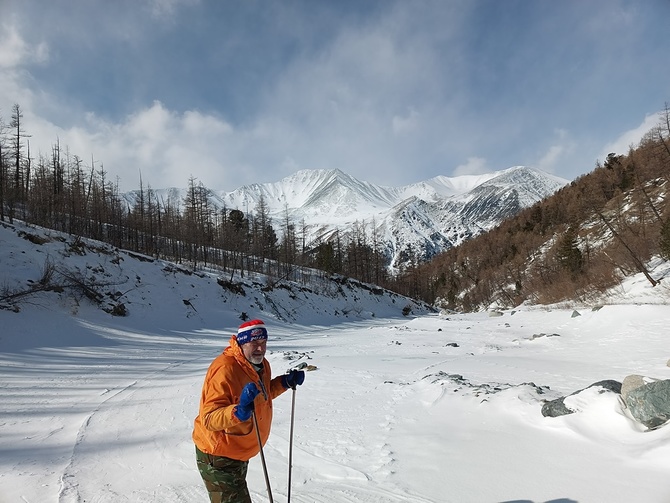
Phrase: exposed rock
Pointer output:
(630, 383)
(647, 399)
(463, 384)
(542, 334)
(555, 408)
(649, 402)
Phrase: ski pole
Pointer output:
(260, 446)
(290, 446)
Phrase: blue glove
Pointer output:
(246, 406)
(293, 378)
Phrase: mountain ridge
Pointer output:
(412, 222)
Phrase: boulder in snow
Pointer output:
(647, 399)
(630, 383)
(555, 408)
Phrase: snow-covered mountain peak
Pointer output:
(420, 219)
(522, 175)
(341, 195)
(536, 184)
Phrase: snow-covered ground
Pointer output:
(96, 408)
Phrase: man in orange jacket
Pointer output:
(238, 383)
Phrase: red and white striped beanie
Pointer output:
(253, 330)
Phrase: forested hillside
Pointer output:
(573, 245)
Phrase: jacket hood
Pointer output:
(233, 347)
(235, 351)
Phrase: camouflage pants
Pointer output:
(225, 478)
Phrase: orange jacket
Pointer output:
(216, 430)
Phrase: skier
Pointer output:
(237, 385)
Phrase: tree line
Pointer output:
(62, 191)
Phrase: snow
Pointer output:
(98, 408)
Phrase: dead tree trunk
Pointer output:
(637, 261)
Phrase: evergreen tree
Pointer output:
(665, 240)
(569, 254)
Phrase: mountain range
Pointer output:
(409, 223)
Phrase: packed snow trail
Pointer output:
(138, 431)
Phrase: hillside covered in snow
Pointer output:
(40, 265)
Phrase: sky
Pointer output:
(100, 408)
(389, 91)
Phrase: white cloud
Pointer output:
(407, 123)
(166, 147)
(14, 51)
(373, 101)
(166, 9)
(550, 160)
(556, 153)
(15, 54)
(473, 166)
(629, 138)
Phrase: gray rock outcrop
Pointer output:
(556, 408)
(647, 400)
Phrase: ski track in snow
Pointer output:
(69, 491)
(94, 449)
